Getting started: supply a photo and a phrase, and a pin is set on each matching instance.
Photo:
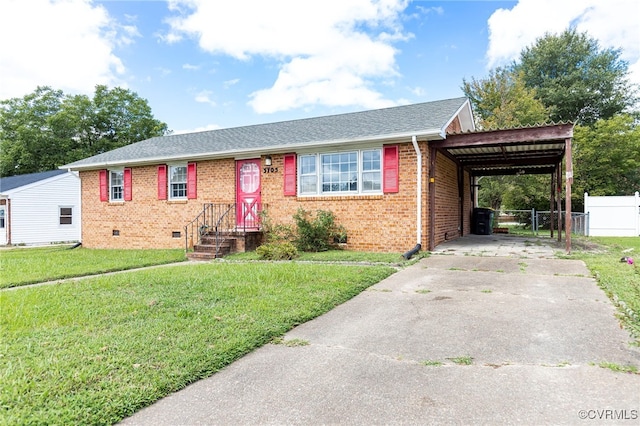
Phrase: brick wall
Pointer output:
(454, 126)
(468, 203)
(145, 221)
(447, 200)
(383, 223)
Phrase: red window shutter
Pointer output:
(290, 174)
(162, 182)
(390, 170)
(127, 185)
(104, 186)
(192, 181)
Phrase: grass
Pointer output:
(462, 360)
(619, 280)
(21, 266)
(291, 343)
(337, 256)
(97, 350)
(619, 368)
(431, 363)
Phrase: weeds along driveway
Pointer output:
(449, 340)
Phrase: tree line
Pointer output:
(564, 77)
(47, 128)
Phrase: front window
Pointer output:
(308, 175)
(353, 172)
(116, 181)
(177, 182)
(340, 172)
(371, 171)
(66, 215)
(1, 218)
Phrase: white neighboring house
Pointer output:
(40, 208)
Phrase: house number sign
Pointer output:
(270, 169)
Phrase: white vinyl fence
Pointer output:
(613, 216)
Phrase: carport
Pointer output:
(529, 150)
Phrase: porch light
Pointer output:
(267, 160)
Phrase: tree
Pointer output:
(575, 81)
(575, 78)
(606, 157)
(47, 129)
(502, 100)
(528, 192)
(27, 132)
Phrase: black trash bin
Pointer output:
(481, 221)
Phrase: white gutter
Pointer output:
(414, 141)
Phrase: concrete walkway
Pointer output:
(510, 337)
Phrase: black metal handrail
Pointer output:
(226, 222)
(220, 220)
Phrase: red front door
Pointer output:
(248, 193)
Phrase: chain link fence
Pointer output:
(538, 221)
(579, 222)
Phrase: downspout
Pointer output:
(416, 249)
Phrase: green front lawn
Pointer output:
(97, 350)
(20, 266)
(335, 256)
(619, 280)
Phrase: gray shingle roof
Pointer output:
(423, 118)
(13, 182)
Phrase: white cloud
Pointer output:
(163, 71)
(614, 23)
(66, 44)
(418, 91)
(329, 52)
(205, 97)
(230, 83)
(190, 67)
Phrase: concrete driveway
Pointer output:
(509, 335)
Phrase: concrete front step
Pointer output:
(204, 256)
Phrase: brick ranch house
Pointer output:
(377, 171)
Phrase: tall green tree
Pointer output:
(28, 132)
(579, 81)
(606, 158)
(502, 100)
(46, 129)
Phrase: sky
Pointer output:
(207, 64)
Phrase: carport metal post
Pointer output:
(559, 200)
(569, 181)
(551, 199)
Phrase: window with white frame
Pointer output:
(177, 182)
(116, 185)
(351, 172)
(66, 215)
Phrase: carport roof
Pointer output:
(528, 150)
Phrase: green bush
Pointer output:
(275, 233)
(277, 251)
(314, 233)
